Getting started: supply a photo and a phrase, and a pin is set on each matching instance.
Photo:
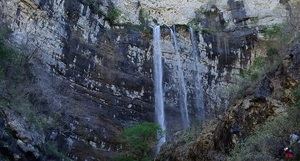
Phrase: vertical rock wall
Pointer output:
(111, 62)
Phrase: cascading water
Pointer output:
(199, 102)
(158, 85)
(182, 84)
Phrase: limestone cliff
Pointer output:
(92, 61)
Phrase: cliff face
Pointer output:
(272, 97)
(94, 68)
(102, 75)
(76, 44)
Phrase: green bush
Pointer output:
(144, 17)
(112, 15)
(206, 13)
(255, 70)
(274, 31)
(139, 140)
(271, 52)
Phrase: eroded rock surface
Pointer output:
(95, 72)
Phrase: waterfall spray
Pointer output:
(199, 102)
(182, 84)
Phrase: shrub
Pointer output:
(255, 70)
(200, 13)
(271, 52)
(139, 140)
(274, 31)
(144, 17)
(112, 15)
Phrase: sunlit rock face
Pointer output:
(171, 12)
(108, 65)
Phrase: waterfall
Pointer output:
(199, 102)
(158, 86)
(182, 84)
(226, 49)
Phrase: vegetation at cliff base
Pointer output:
(268, 141)
(139, 141)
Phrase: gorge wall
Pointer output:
(105, 63)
